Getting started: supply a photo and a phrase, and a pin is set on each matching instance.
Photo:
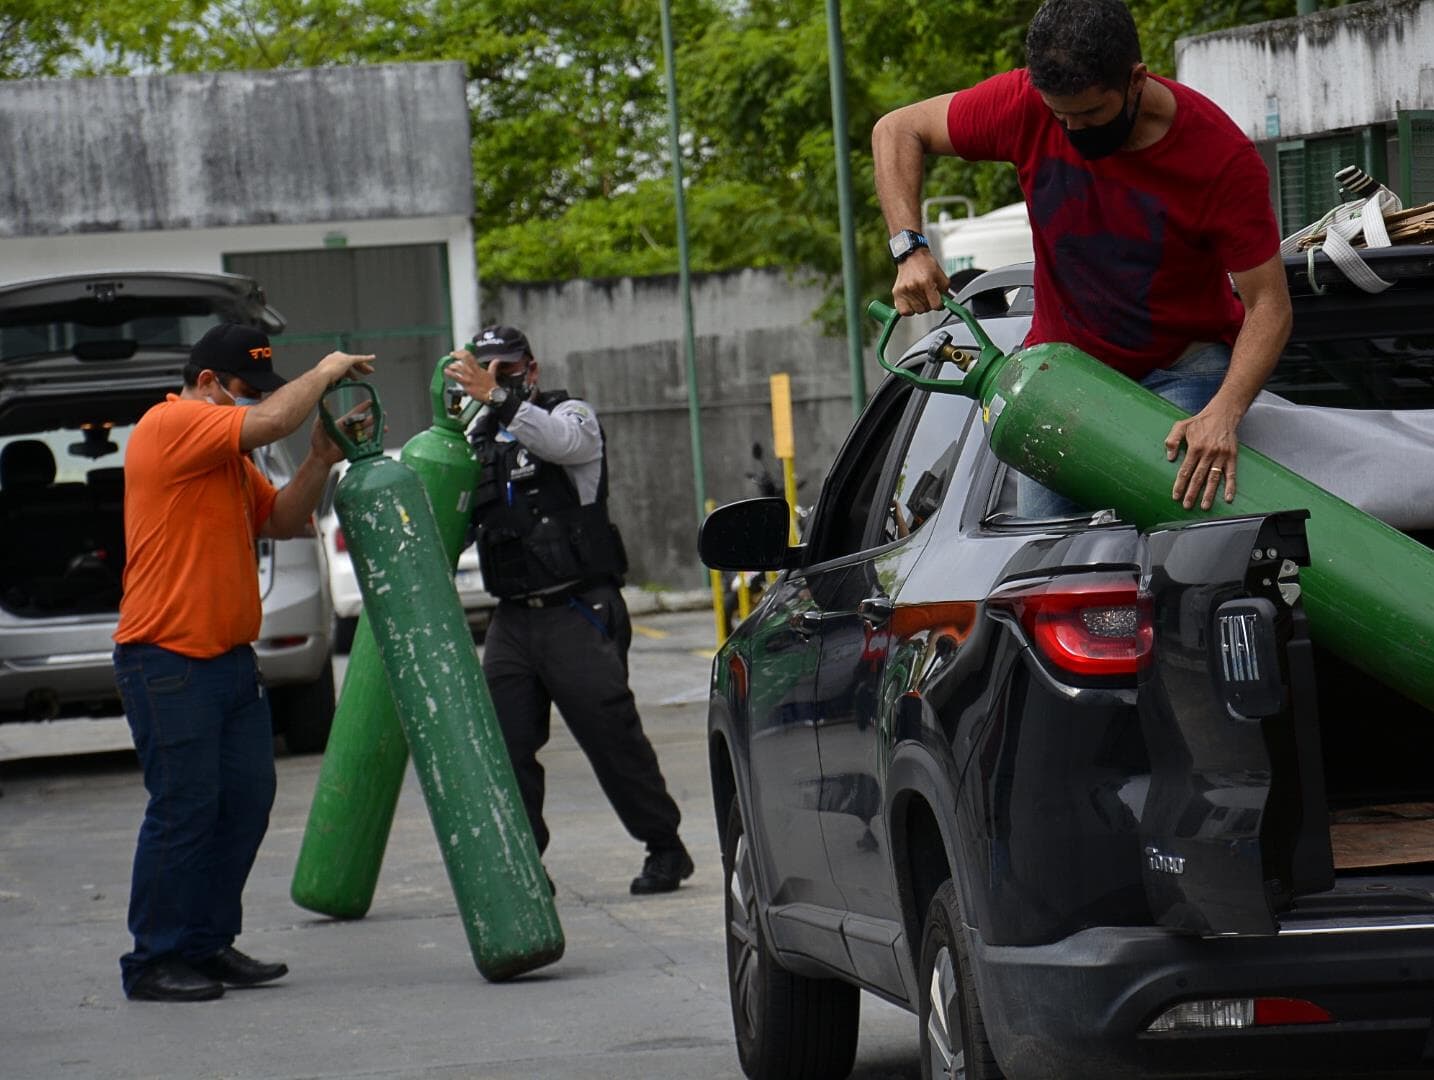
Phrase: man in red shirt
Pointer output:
(1144, 200)
(192, 692)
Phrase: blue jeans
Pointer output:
(1190, 383)
(203, 734)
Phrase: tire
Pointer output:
(344, 634)
(953, 1043)
(788, 1027)
(304, 713)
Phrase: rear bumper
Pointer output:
(296, 637)
(1080, 1007)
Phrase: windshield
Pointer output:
(1395, 372)
(29, 337)
(79, 450)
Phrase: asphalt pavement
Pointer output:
(641, 991)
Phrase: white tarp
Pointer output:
(1381, 461)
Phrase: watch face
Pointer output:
(497, 396)
(904, 243)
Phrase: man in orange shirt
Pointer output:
(193, 695)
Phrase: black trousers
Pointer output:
(574, 656)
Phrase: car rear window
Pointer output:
(78, 451)
(30, 338)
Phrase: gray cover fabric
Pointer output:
(1381, 461)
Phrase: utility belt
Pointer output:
(556, 598)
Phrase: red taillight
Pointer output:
(1270, 1012)
(1093, 625)
(340, 544)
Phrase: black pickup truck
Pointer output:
(989, 768)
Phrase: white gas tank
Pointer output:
(996, 239)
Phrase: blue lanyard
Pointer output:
(587, 613)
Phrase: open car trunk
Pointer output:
(1378, 746)
(62, 551)
(1376, 750)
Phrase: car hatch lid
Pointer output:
(1231, 826)
(125, 298)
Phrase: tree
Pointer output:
(569, 116)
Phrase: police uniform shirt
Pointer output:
(568, 436)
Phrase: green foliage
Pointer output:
(570, 153)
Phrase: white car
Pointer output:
(343, 583)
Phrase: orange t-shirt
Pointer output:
(193, 505)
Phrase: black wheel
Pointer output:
(304, 712)
(788, 1027)
(953, 1035)
(344, 634)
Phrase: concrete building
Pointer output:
(347, 192)
(1353, 85)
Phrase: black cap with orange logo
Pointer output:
(238, 350)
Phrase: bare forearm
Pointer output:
(1257, 350)
(297, 500)
(899, 160)
(284, 411)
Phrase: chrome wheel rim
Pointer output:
(943, 1025)
(742, 937)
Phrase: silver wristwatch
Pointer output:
(496, 396)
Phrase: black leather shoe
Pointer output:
(174, 980)
(233, 968)
(663, 872)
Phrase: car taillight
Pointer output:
(1216, 1014)
(1092, 625)
(340, 544)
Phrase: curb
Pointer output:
(647, 602)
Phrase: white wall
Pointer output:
(203, 250)
(1340, 68)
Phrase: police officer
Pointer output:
(554, 559)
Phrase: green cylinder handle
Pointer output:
(445, 412)
(888, 316)
(363, 447)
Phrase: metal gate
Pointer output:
(390, 301)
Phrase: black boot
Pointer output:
(663, 871)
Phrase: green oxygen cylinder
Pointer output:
(1095, 436)
(442, 701)
(362, 771)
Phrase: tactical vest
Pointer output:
(534, 534)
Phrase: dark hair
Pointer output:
(192, 370)
(1072, 45)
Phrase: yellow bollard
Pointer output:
(719, 609)
(785, 447)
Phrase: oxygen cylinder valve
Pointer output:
(453, 399)
(356, 427)
(942, 348)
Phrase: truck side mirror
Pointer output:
(746, 535)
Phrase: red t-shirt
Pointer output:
(1132, 250)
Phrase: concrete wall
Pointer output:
(234, 148)
(1340, 68)
(178, 172)
(618, 344)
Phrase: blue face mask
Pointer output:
(238, 399)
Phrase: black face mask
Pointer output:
(1093, 143)
(517, 383)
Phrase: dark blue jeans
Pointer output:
(1190, 383)
(203, 734)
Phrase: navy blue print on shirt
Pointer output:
(1108, 241)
